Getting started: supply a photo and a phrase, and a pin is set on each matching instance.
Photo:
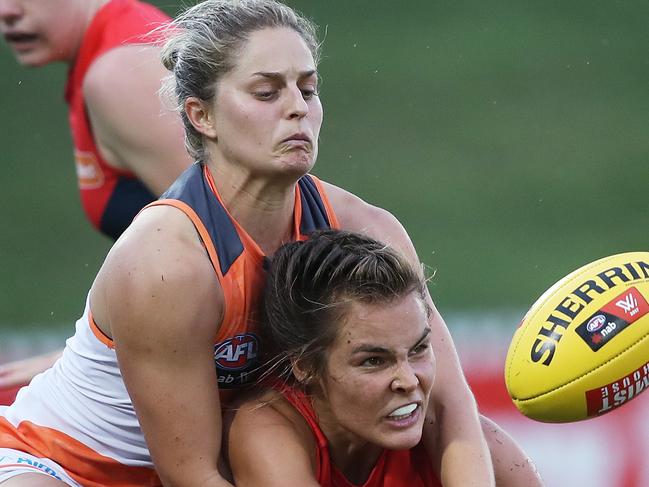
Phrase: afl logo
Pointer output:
(595, 323)
(237, 353)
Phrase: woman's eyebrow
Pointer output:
(423, 337)
(274, 75)
(367, 348)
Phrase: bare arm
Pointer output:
(20, 372)
(158, 297)
(456, 443)
(267, 448)
(132, 128)
(512, 466)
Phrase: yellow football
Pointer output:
(582, 349)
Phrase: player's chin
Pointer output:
(402, 440)
(298, 163)
(33, 58)
(402, 435)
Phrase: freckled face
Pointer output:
(266, 111)
(380, 372)
(43, 31)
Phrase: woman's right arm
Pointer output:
(270, 446)
(21, 372)
(159, 299)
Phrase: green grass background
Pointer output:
(509, 137)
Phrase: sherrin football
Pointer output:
(582, 349)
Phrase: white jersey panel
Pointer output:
(83, 396)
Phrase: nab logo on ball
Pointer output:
(236, 360)
(614, 317)
(580, 296)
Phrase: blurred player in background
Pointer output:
(127, 147)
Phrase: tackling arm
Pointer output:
(458, 446)
(455, 441)
(159, 298)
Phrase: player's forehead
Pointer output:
(393, 325)
(279, 50)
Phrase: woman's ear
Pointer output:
(300, 372)
(200, 116)
(308, 378)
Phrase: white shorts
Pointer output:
(15, 462)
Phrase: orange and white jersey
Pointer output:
(239, 265)
(79, 415)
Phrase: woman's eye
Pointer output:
(372, 362)
(307, 94)
(264, 95)
(421, 348)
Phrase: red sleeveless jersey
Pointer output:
(395, 468)
(110, 197)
